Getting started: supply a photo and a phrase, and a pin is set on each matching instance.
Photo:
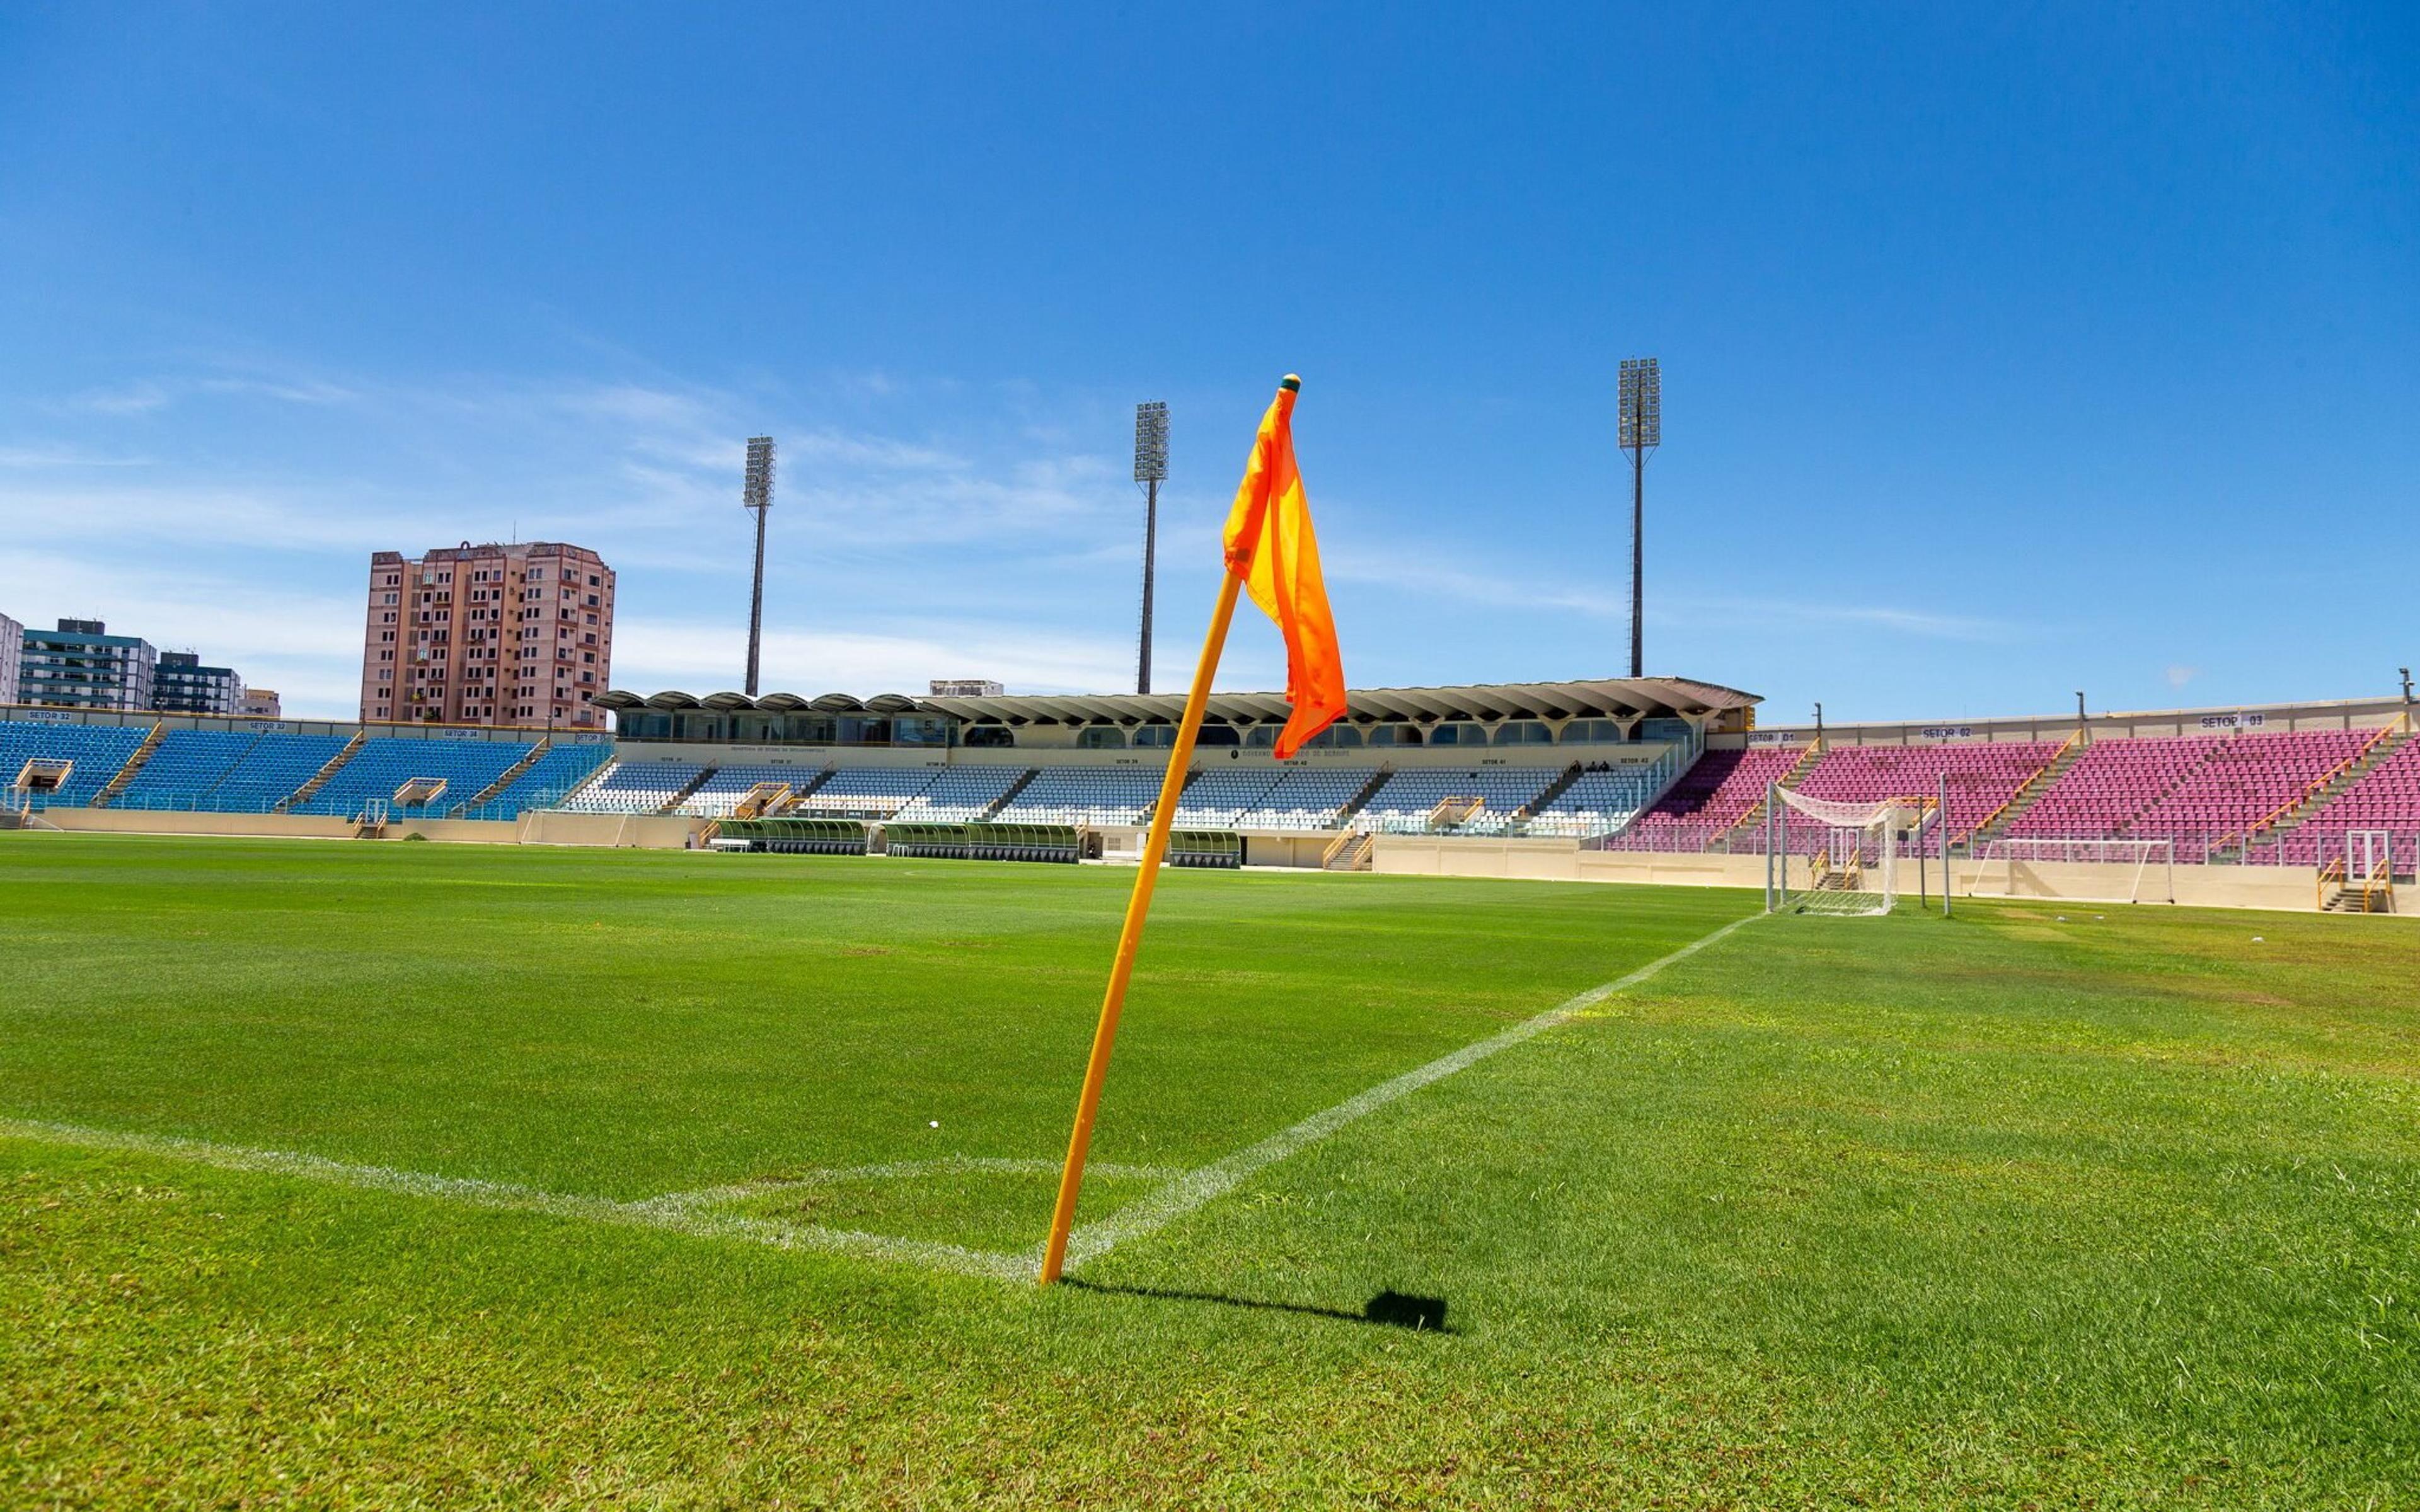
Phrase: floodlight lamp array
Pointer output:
(757, 490)
(1642, 403)
(1150, 442)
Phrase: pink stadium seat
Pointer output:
(2199, 790)
(2387, 798)
(1982, 776)
(1712, 796)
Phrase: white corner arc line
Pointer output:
(505, 1196)
(1196, 1188)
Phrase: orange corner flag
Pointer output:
(1271, 549)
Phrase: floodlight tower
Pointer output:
(1150, 471)
(757, 496)
(1642, 431)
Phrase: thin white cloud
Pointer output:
(1545, 594)
(31, 458)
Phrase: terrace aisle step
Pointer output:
(1755, 815)
(1555, 790)
(2031, 792)
(807, 787)
(319, 779)
(1010, 796)
(1192, 776)
(2278, 826)
(595, 777)
(1361, 800)
(704, 773)
(514, 774)
(134, 767)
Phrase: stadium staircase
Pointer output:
(1755, 815)
(319, 778)
(496, 788)
(1450, 812)
(807, 787)
(1192, 775)
(1350, 851)
(1997, 825)
(704, 775)
(2323, 792)
(133, 768)
(1555, 790)
(1008, 797)
(1361, 800)
(604, 769)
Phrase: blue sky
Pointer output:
(2004, 354)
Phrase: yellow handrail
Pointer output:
(2026, 786)
(2304, 796)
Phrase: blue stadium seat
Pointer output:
(96, 753)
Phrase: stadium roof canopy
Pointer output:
(1616, 698)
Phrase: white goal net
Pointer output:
(1823, 855)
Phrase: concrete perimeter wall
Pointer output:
(535, 829)
(2280, 888)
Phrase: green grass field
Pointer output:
(395, 1175)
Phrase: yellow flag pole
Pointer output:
(1155, 850)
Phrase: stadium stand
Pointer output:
(1599, 801)
(1308, 797)
(185, 766)
(2198, 790)
(1717, 792)
(1407, 798)
(385, 763)
(2109, 784)
(1084, 795)
(726, 786)
(95, 754)
(2386, 798)
(1982, 777)
(227, 771)
(635, 787)
(959, 794)
(558, 770)
(870, 788)
(271, 770)
(2242, 781)
(1216, 794)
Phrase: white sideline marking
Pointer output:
(679, 1212)
(691, 1212)
(1193, 1189)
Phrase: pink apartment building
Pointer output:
(520, 633)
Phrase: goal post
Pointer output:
(1825, 856)
(2127, 870)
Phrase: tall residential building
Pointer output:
(12, 650)
(183, 686)
(81, 666)
(497, 634)
(261, 704)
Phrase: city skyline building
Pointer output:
(262, 703)
(517, 633)
(12, 653)
(81, 666)
(181, 685)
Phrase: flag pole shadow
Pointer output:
(1387, 1309)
